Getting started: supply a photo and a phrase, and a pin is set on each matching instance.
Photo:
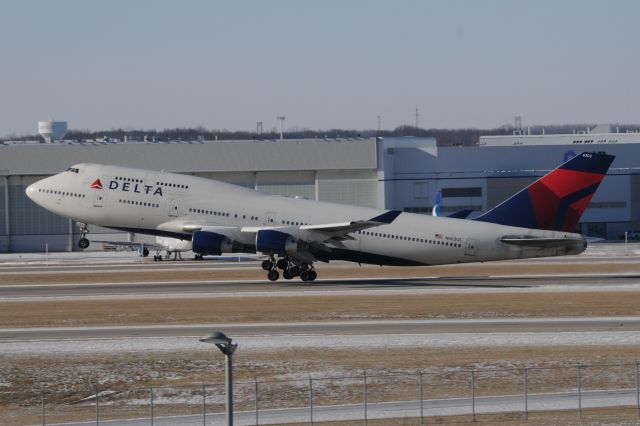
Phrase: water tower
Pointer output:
(52, 130)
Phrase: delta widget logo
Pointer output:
(137, 188)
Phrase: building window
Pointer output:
(608, 205)
(420, 190)
(461, 192)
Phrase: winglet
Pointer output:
(387, 217)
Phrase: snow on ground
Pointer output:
(7, 259)
(541, 288)
(79, 258)
(286, 342)
(612, 249)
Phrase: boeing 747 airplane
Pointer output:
(218, 217)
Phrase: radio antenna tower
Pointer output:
(417, 116)
(518, 125)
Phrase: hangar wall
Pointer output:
(342, 171)
(481, 177)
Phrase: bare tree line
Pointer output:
(444, 137)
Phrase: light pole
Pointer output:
(281, 118)
(227, 348)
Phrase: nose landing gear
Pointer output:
(83, 243)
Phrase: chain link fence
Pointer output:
(422, 397)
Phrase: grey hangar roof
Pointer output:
(241, 155)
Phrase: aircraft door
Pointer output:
(269, 219)
(98, 198)
(174, 208)
(471, 247)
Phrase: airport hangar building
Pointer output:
(390, 173)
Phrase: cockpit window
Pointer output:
(73, 170)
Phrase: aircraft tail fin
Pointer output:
(436, 205)
(557, 200)
(437, 209)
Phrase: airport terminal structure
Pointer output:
(403, 173)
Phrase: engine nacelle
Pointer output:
(270, 241)
(205, 242)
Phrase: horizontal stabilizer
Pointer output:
(460, 214)
(525, 241)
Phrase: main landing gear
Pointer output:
(83, 243)
(289, 269)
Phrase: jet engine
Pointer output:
(210, 243)
(270, 241)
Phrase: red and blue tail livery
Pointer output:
(556, 201)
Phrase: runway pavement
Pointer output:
(239, 287)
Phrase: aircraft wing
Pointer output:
(133, 245)
(525, 241)
(213, 238)
(330, 231)
(308, 239)
(341, 230)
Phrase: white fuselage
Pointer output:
(169, 204)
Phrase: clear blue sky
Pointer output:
(322, 64)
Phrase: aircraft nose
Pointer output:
(31, 191)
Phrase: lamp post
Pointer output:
(227, 348)
(281, 118)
